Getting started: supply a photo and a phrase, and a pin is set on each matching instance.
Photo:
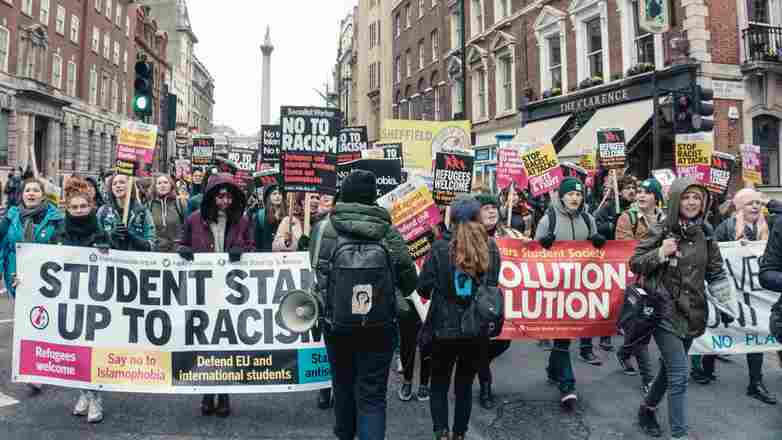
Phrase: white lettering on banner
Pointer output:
(749, 332)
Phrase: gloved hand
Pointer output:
(234, 254)
(120, 234)
(597, 240)
(138, 243)
(103, 248)
(547, 240)
(186, 253)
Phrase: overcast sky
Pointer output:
(304, 34)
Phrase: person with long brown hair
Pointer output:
(450, 278)
(268, 218)
(167, 211)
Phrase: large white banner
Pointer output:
(748, 333)
(155, 323)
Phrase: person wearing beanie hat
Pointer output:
(450, 278)
(638, 223)
(360, 186)
(567, 219)
(360, 359)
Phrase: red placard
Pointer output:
(569, 291)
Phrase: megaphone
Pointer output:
(299, 310)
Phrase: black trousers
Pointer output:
(465, 356)
(409, 326)
(493, 349)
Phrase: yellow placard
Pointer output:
(138, 135)
(131, 367)
(422, 139)
(694, 149)
(540, 160)
(411, 205)
(587, 160)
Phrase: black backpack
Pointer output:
(359, 286)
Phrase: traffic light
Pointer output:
(142, 98)
(702, 109)
(683, 114)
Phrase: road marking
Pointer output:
(6, 321)
(7, 400)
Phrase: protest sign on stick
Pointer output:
(452, 176)
(385, 151)
(246, 159)
(693, 155)
(135, 146)
(309, 143)
(611, 148)
(720, 172)
(271, 139)
(543, 171)
(388, 172)
(510, 168)
(352, 141)
(120, 322)
(751, 170)
(203, 151)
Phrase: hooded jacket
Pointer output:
(570, 226)
(264, 230)
(168, 215)
(680, 287)
(12, 230)
(196, 235)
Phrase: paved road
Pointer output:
(529, 410)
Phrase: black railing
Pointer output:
(763, 43)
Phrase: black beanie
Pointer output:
(359, 187)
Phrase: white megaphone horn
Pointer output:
(299, 310)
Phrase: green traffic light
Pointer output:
(141, 104)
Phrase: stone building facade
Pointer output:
(202, 107)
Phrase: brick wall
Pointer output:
(725, 33)
(727, 133)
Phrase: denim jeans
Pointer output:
(672, 378)
(465, 355)
(560, 368)
(360, 382)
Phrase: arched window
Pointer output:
(421, 101)
(397, 104)
(436, 97)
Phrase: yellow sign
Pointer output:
(694, 149)
(587, 160)
(138, 135)
(540, 160)
(422, 139)
(131, 367)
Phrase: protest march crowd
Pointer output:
(677, 263)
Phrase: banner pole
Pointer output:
(448, 217)
(126, 208)
(616, 191)
(510, 203)
(307, 214)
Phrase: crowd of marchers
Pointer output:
(678, 258)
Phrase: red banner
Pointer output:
(569, 291)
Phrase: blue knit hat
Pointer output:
(465, 209)
(653, 186)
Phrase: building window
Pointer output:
(124, 101)
(59, 26)
(397, 70)
(116, 53)
(104, 92)
(56, 71)
(477, 17)
(4, 137)
(125, 61)
(506, 76)
(95, 39)
(554, 61)
(371, 35)
(114, 95)
(420, 8)
(5, 38)
(75, 29)
(27, 7)
(479, 88)
(127, 26)
(594, 36)
(421, 61)
(758, 11)
(434, 3)
(44, 16)
(436, 97)
(456, 30)
(118, 17)
(644, 41)
(106, 46)
(397, 25)
(457, 99)
(435, 45)
(766, 133)
(408, 19)
(503, 9)
(108, 9)
(98, 6)
(408, 64)
(93, 85)
(71, 78)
